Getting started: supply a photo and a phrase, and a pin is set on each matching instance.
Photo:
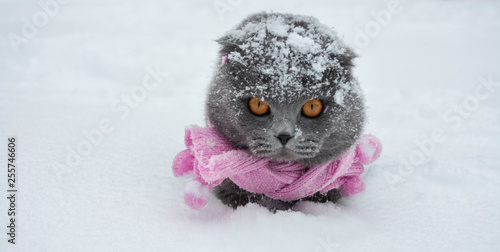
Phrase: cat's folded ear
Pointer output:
(345, 59)
(227, 46)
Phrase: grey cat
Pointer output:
(284, 91)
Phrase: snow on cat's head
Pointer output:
(286, 90)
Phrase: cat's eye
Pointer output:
(258, 107)
(312, 108)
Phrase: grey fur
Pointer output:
(314, 140)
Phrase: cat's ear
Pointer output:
(227, 46)
(346, 59)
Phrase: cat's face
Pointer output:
(298, 111)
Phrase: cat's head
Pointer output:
(284, 90)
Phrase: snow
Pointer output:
(368, 150)
(303, 44)
(339, 97)
(286, 53)
(278, 27)
(431, 80)
(194, 187)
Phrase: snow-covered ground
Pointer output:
(431, 78)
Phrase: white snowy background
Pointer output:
(423, 73)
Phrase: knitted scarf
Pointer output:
(212, 159)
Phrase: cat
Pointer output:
(284, 90)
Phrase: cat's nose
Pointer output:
(284, 137)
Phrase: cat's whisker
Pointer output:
(260, 145)
(259, 138)
(259, 141)
(306, 151)
(306, 146)
(308, 140)
(262, 152)
(305, 155)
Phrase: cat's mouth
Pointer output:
(284, 155)
(293, 151)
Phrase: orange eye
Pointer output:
(258, 107)
(312, 108)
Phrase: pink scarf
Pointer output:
(212, 159)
